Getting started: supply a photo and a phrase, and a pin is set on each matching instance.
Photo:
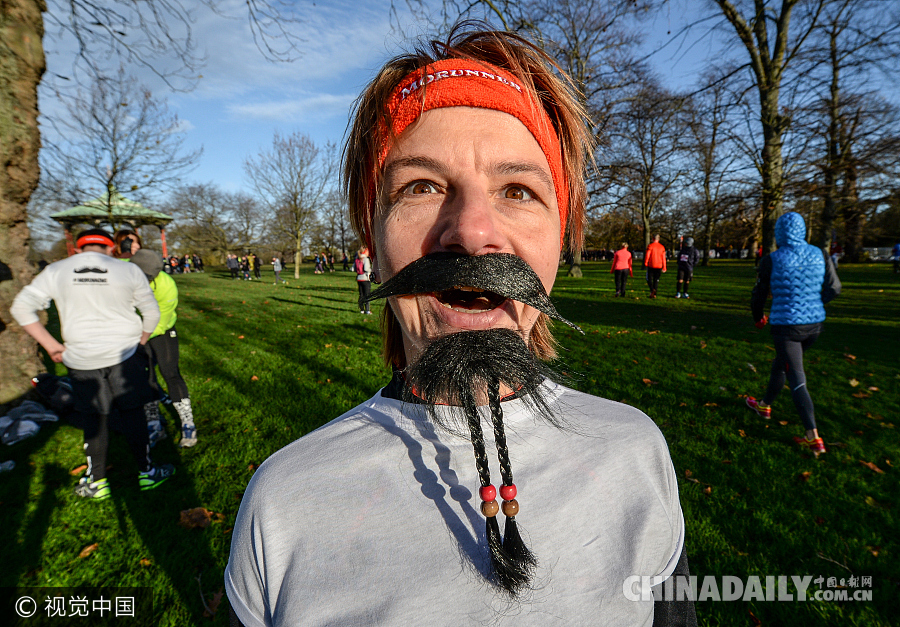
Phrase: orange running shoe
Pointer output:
(816, 445)
(763, 410)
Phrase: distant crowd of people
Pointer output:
(183, 265)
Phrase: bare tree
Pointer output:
(214, 223)
(650, 140)
(117, 136)
(151, 33)
(294, 179)
(713, 150)
(770, 55)
(854, 39)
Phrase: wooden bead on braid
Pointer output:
(510, 508)
(490, 508)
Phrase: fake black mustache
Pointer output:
(89, 269)
(502, 273)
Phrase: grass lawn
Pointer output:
(267, 364)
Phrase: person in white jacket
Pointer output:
(103, 349)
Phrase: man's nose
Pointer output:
(471, 224)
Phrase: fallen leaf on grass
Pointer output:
(741, 431)
(213, 605)
(873, 503)
(849, 356)
(702, 344)
(726, 461)
(254, 378)
(804, 476)
(691, 374)
(783, 423)
(853, 383)
(198, 518)
(872, 388)
(240, 337)
(874, 550)
(145, 562)
(652, 332)
(78, 470)
(710, 404)
(649, 382)
(756, 622)
(819, 520)
(682, 404)
(751, 366)
(707, 490)
(861, 395)
(872, 467)
(328, 346)
(88, 549)
(692, 480)
(688, 473)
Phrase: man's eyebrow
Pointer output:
(426, 163)
(526, 167)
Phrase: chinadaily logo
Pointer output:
(753, 588)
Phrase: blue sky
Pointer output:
(242, 99)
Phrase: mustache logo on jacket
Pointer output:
(87, 269)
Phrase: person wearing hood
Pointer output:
(688, 257)
(163, 350)
(801, 279)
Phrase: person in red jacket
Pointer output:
(621, 268)
(655, 263)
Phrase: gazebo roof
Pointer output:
(124, 210)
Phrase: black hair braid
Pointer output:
(522, 562)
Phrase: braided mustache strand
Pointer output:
(458, 369)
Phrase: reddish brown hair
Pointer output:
(537, 72)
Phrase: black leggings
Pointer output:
(653, 275)
(163, 351)
(788, 362)
(365, 288)
(621, 280)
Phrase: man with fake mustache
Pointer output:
(465, 176)
(96, 296)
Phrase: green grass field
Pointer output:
(267, 364)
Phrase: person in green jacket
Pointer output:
(163, 349)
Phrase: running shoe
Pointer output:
(98, 490)
(763, 410)
(677, 295)
(155, 476)
(685, 295)
(816, 446)
(653, 294)
(188, 436)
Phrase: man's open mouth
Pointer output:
(469, 299)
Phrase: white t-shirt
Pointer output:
(96, 296)
(375, 518)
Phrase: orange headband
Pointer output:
(86, 240)
(466, 83)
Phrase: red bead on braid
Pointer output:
(508, 492)
(488, 493)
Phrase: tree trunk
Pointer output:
(575, 268)
(772, 167)
(854, 217)
(21, 67)
(832, 164)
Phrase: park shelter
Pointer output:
(121, 210)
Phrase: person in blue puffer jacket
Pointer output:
(801, 279)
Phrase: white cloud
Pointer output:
(315, 107)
